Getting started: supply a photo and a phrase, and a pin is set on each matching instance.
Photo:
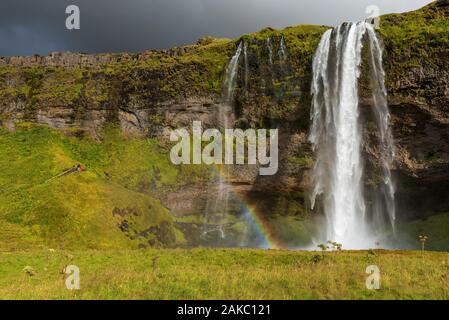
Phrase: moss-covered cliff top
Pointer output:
(158, 75)
(416, 45)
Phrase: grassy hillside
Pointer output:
(225, 274)
(88, 209)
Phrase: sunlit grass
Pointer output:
(225, 274)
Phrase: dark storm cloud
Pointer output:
(38, 27)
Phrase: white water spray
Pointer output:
(337, 139)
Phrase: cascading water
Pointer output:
(385, 198)
(231, 76)
(230, 81)
(336, 135)
(282, 50)
(270, 51)
(217, 205)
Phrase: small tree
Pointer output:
(323, 247)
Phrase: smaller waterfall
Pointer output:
(270, 51)
(225, 115)
(282, 50)
(217, 206)
(231, 75)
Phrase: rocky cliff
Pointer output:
(147, 94)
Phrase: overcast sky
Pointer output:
(38, 26)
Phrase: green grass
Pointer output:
(225, 274)
(76, 211)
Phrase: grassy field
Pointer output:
(225, 274)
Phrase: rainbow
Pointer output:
(258, 220)
(262, 226)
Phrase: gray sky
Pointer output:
(38, 26)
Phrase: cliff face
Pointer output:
(417, 77)
(149, 93)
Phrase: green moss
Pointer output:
(305, 161)
(154, 76)
(414, 40)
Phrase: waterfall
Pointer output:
(270, 51)
(225, 115)
(282, 50)
(217, 205)
(385, 200)
(336, 135)
(231, 76)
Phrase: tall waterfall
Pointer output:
(336, 136)
(385, 198)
